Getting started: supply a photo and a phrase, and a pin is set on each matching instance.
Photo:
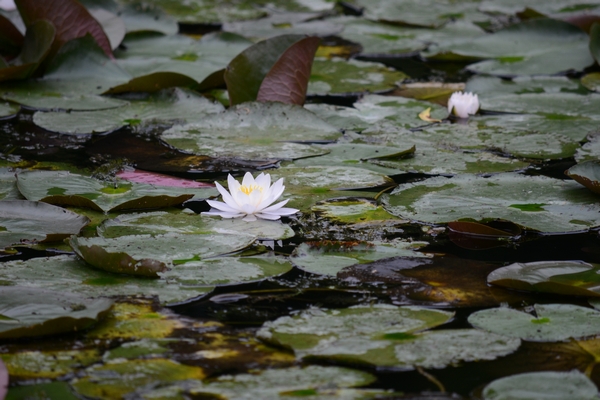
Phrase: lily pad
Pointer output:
(590, 151)
(149, 255)
(8, 110)
(535, 47)
(254, 131)
(574, 278)
(186, 223)
(119, 378)
(418, 13)
(78, 74)
(549, 322)
(407, 351)
(339, 77)
(307, 185)
(541, 203)
(329, 257)
(586, 173)
(285, 23)
(321, 381)
(376, 341)
(65, 188)
(316, 328)
(28, 312)
(33, 221)
(183, 281)
(174, 106)
(547, 384)
(37, 365)
(53, 391)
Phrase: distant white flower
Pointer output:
(251, 200)
(8, 5)
(463, 104)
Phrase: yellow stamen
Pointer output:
(249, 189)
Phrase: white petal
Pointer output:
(248, 180)
(222, 206)
(263, 180)
(226, 196)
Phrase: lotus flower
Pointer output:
(463, 104)
(251, 200)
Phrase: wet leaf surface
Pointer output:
(28, 312)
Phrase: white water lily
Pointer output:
(251, 199)
(463, 104)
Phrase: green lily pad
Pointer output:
(541, 203)
(176, 106)
(8, 110)
(28, 312)
(148, 255)
(372, 108)
(284, 23)
(51, 391)
(8, 185)
(36, 365)
(338, 77)
(591, 81)
(65, 188)
(590, 150)
(254, 131)
(319, 381)
(33, 221)
(377, 341)
(316, 328)
(150, 18)
(360, 212)
(493, 86)
(329, 257)
(219, 47)
(574, 278)
(305, 186)
(420, 13)
(117, 379)
(538, 385)
(535, 47)
(586, 173)
(549, 323)
(192, 224)
(78, 74)
(407, 351)
(377, 38)
(181, 282)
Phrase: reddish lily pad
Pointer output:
(70, 19)
(246, 72)
(287, 80)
